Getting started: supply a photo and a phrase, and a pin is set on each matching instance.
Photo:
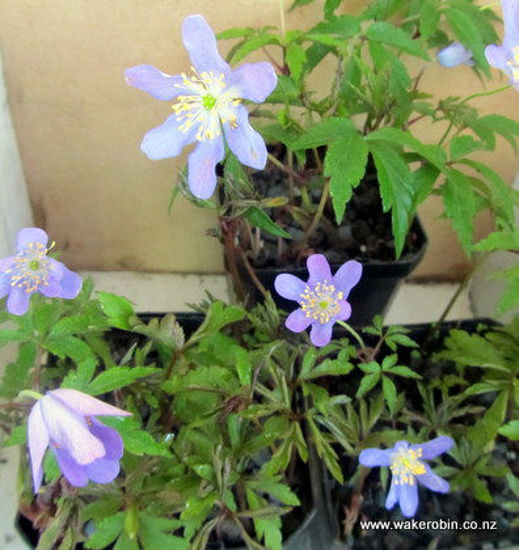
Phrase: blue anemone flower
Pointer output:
(407, 466)
(453, 55)
(208, 107)
(506, 56)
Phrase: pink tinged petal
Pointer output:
(393, 495)
(318, 269)
(247, 144)
(254, 81)
(433, 482)
(200, 42)
(86, 405)
(289, 286)
(5, 263)
(408, 499)
(321, 335)
(5, 285)
(69, 431)
(70, 284)
(156, 83)
(31, 235)
(435, 447)
(201, 167)
(376, 457)
(344, 311)
(110, 438)
(297, 321)
(18, 301)
(497, 57)
(347, 276)
(37, 441)
(103, 470)
(167, 140)
(75, 473)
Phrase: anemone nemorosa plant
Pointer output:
(208, 107)
(322, 299)
(407, 466)
(31, 270)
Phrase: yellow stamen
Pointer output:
(207, 104)
(30, 268)
(322, 302)
(406, 465)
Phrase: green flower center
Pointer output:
(208, 102)
(34, 265)
(321, 302)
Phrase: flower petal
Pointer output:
(435, 447)
(50, 290)
(31, 235)
(110, 438)
(5, 263)
(70, 284)
(375, 457)
(347, 276)
(511, 20)
(254, 81)
(167, 140)
(344, 311)
(393, 495)
(408, 499)
(5, 285)
(86, 405)
(75, 473)
(321, 335)
(18, 301)
(433, 482)
(318, 269)
(37, 441)
(201, 167)
(103, 470)
(497, 57)
(289, 286)
(297, 321)
(453, 55)
(245, 142)
(68, 431)
(200, 42)
(158, 84)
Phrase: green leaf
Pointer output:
(106, 531)
(429, 18)
(259, 218)
(118, 309)
(251, 44)
(345, 165)
(219, 316)
(344, 26)
(295, 58)
(384, 32)
(460, 205)
(510, 430)
(16, 374)
(8, 335)
(18, 436)
(367, 383)
(243, 366)
(406, 372)
(464, 145)
(499, 240)
(118, 377)
(136, 440)
(324, 133)
(488, 125)
(395, 182)
(389, 390)
(423, 182)
(235, 32)
(69, 346)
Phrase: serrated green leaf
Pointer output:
(325, 132)
(367, 383)
(118, 309)
(499, 240)
(295, 58)
(107, 530)
(382, 31)
(118, 377)
(390, 393)
(345, 165)
(429, 18)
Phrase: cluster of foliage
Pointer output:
(231, 422)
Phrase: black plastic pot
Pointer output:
(370, 297)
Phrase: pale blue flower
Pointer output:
(455, 54)
(208, 107)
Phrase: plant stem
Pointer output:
(281, 166)
(252, 274)
(484, 94)
(319, 213)
(353, 332)
(282, 16)
(30, 393)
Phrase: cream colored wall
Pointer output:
(79, 127)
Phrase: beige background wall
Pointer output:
(79, 127)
